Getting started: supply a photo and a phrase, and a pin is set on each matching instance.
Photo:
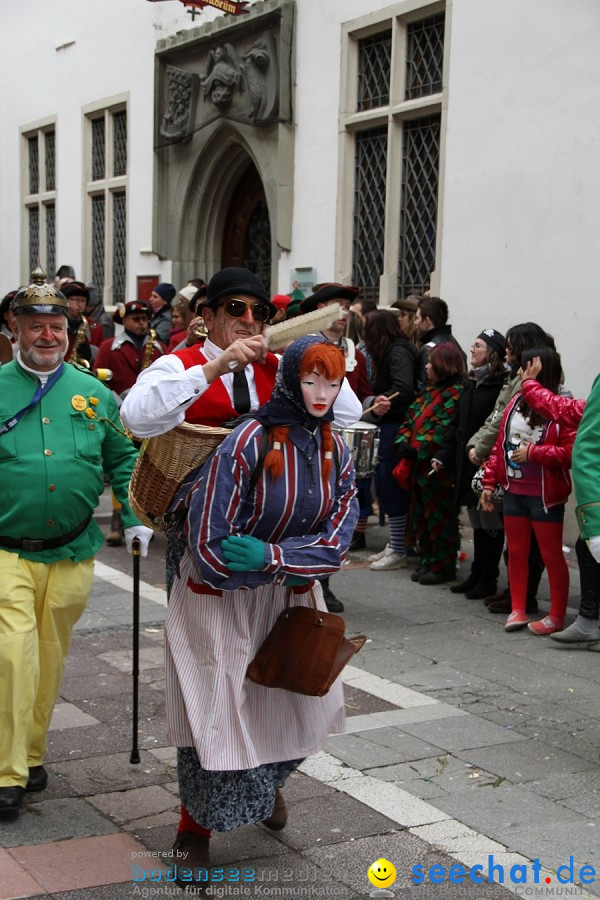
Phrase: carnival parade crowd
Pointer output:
(379, 411)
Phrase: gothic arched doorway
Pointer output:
(247, 231)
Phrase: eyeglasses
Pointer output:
(476, 346)
(235, 309)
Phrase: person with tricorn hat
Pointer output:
(59, 428)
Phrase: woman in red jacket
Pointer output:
(531, 461)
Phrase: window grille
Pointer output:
(120, 143)
(49, 138)
(34, 165)
(98, 232)
(34, 237)
(370, 165)
(418, 216)
(374, 67)
(50, 239)
(98, 149)
(119, 246)
(424, 57)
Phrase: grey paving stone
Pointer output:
(524, 760)
(435, 776)
(110, 772)
(461, 733)
(392, 662)
(368, 751)
(555, 840)
(358, 702)
(94, 740)
(137, 803)
(54, 820)
(440, 676)
(227, 847)
(104, 684)
(121, 891)
(348, 864)
(568, 784)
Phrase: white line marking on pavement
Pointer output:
(120, 580)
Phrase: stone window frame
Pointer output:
(42, 199)
(105, 187)
(396, 17)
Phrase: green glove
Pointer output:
(295, 581)
(244, 553)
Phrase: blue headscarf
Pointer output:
(286, 406)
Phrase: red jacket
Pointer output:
(553, 453)
(566, 410)
(123, 358)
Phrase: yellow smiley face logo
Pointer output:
(381, 873)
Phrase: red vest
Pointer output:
(214, 406)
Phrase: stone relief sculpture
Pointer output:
(260, 64)
(224, 75)
(178, 120)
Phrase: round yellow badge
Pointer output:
(381, 873)
(79, 403)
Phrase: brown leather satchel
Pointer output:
(305, 651)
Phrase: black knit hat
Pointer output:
(231, 281)
(495, 341)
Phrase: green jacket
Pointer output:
(484, 439)
(52, 461)
(586, 466)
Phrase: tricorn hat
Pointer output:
(75, 289)
(329, 291)
(133, 306)
(40, 297)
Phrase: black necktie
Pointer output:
(241, 393)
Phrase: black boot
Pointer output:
(331, 601)
(492, 544)
(474, 576)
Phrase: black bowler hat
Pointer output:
(232, 281)
(329, 291)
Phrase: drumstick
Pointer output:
(389, 397)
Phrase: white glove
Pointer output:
(594, 545)
(143, 533)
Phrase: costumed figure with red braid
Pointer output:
(247, 541)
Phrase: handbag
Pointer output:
(305, 651)
(477, 486)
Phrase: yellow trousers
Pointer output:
(39, 606)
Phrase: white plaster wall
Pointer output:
(113, 54)
(521, 225)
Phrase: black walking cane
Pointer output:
(135, 550)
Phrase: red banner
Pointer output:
(233, 7)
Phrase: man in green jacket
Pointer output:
(59, 430)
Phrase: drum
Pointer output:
(363, 442)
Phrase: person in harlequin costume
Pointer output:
(59, 429)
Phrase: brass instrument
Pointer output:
(80, 338)
(148, 349)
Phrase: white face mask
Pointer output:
(318, 393)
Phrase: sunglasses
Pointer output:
(235, 309)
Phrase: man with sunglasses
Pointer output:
(205, 385)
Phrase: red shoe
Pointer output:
(516, 620)
(545, 626)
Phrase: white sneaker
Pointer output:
(390, 561)
(375, 556)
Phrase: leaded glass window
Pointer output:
(98, 149)
(374, 66)
(98, 236)
(34, 237)
(258, 249)
(120, 143)
(369, 209)
(34, 165)
(50, 238)
(119, 246)
(424, 57)
(418, 218)
(50, 160)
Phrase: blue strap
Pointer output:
(39, 392)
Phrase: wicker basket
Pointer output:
(162, 465)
